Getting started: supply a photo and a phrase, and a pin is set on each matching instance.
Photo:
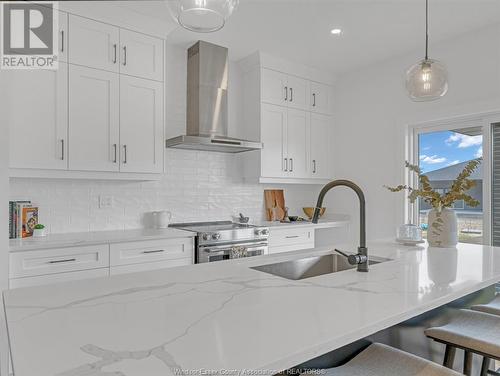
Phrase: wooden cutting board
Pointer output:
(275, 204)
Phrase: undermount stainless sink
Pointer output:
(312, 266)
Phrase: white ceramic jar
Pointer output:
(161, 219)
(443, 228)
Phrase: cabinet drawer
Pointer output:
(150, 251)
(290, 237)
(135, 268)
(60, 260)
(15, 283)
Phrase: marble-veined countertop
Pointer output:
(227, 316)
(78, 239)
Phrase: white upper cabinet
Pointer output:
(320, 98)
(284, 90)
(298, 93)
(100, 113)
(63, 36)
(141, 125)
(320, 140)
(297, 138)
(94, 127)
(141, 55)
(38, 134)
(274, 89)
(274, 125)
(93, 44)
(288, 109)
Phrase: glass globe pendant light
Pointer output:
(427, 80)
(202, 16)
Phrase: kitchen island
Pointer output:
(225, 316)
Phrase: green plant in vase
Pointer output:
(443, 226)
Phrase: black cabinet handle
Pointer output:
(62, 261)
(157, 251)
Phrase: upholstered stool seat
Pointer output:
(382, 360)
(474, 332)
(492, 307)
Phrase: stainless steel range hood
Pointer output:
(207, 120)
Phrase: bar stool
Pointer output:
(381, 360)
(473, 332)
(492, 307)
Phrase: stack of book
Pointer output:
(23, 217)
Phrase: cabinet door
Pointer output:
(38, 134)
(93, 44)
(141, 125)
(320, 142)
(141, 55)
(151, 251)
(297, 140)
(94, 128)
(273, 135)
(320, 98)
(274, 88)
(63, 37)
(15, 283)
(298, 93)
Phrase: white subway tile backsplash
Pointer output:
(197, 186)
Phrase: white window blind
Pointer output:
(495, 180)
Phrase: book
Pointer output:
(29, 219)
(11, 219)
(16, 221)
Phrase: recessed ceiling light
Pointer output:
(336, 31)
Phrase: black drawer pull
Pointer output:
(292, 236)
(62, 261)
(157, 251)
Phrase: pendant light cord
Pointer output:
(426, 29)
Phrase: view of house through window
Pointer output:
(442, 156)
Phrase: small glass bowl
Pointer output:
(410, 233)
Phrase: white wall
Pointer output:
(372, 110)
(197, 186)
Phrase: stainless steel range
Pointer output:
(224, 240)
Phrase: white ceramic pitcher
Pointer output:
(162, 218)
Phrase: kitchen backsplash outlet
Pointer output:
(197, 186)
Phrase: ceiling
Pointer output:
(299, 30)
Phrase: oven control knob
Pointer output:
(265, 232)
(216, 236)
(205, 236)
(257, 232)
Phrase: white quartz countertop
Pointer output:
(333, 220)
(227, 316)
(96, 237)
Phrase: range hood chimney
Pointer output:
(207, 120)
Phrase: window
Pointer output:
(442, 155)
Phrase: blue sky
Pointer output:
(442, 149)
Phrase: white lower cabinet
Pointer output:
(59, 260)
(45, 266)
(292, 239)
(151, 251)
(41, 280)
(135, 268)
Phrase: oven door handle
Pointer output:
(222, 248)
